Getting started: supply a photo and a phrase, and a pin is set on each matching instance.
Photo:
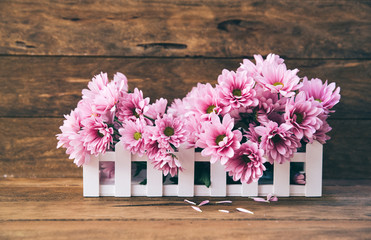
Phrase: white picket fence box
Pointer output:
(123, 186)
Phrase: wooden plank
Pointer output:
(28, 147)
(190, 229)
(61, 200)
(313, 29)
(51, 86)
(347, 154)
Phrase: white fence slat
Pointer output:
(313, 170)
(136, 158)
(107, 190)
(186, 177)
(281, 179)
(234, 190)
(264, 190)
(109, 156)
(200, 158)
(297, 190)
(170, 190)
(299, 157)
(202, 190)
(91, 177)
(249, 190)
(122, 172)
(154, 181)
(218, 178)
(139, 190)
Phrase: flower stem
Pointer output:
(153, 120)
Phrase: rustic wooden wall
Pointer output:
(49, 50)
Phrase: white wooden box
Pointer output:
(123, 187)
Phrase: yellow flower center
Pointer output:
(137, 136)
(210, 109)
(237, 92)
(219, 139)
(169, 131)
(278, 84)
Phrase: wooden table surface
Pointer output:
(49, 51)
(53, 208)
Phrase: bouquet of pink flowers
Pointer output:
(262, 112)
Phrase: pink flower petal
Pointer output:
(274, 199)
(223, 211)
(203, 203)
(258, 199)
(269, 196)
(301, 182)
(222, 202)
(244, 210)
(190, 202)
(196, 208)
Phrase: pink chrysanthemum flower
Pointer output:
(251, 134)
(321, 134)
(79, 152)
(278, 142)
(252, 69)
(248, 68)
(241, 113)
(71, 140)
(168, 132)
(132, 136)
(156, 109)
(169, 163)
(97, 136)
(218, 139)
(104, 104)
(121, 82)
(71, 127)
(153, 151)
(194, 128)
(204, 100)
(95, 85)
(86, 109)
(327, 95)
(247, 163)
(302, 115)
(236, 90)
(270, 107)
(277, 79)
(132, 106)
(273, 59)
(177, 108)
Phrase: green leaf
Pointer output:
(202, 173)
(205, 179)
(144, 182)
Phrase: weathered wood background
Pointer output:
(49, 50)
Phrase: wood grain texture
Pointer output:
(29, 149)
(55, 208)
(188, 229)
(51, 86)
(297, 29)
